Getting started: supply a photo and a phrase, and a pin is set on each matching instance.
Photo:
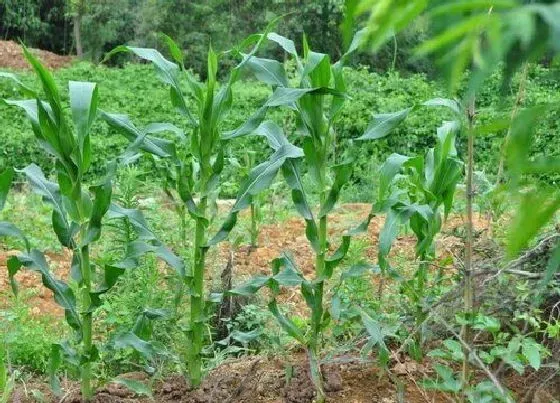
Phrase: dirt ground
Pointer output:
(261, 379)
(271, 380)
(11, 56)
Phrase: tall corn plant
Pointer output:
(195, 172)
(315, 100)
(77, 213)
(414, 191)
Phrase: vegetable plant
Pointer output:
(77, 214)
(194, 164)
(415, 190)
(316, 99)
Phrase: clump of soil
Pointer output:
(11, 56)
(259, 379)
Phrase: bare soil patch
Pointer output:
(11, 56)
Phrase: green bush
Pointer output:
(134, 90)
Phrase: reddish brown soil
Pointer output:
(259, 379)
(41, 298)
(11, 57)
(287, 236)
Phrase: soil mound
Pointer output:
(11, 56)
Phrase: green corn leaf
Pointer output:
(102, 201)
(138, 387)
(249, 126)
(390, 168)
(63, 295)
(451, 104)
(268, 71)
(283, 96)
(83, 103)
(139, 137)
(388, 235)
(258, 180)
(333, 261)
(342, 176)
(174, 49)
(293, 179)
(49, 85)
(10, 230)
(263, 174)
(167, 72)
(384, 123)
(535, 210)
(27, 91)
(289, 326)
(289, 276)
(110, 276)
(50, 192)
(250, 287)
(130, 340)
(286, 44)
(6, 178)
(358, 270)
(273, 134)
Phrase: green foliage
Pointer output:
(77, 213)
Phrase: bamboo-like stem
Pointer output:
(197, 299)
(317, 313)
(421, 279)
(254, 226)
(87, 391)
(468, 290)
(518, 101)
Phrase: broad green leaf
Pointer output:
(268, 71)
(531, 351)
(174, 49)
(9, 229)
(83, 103)
(384, 123)
(27, 91)
(446, 103)
(130, 340)
(49, 85)
(342, 176)
(6, 178)
(289, 326)
(250, 287)
(63, 295)
(286, 44)
(138, 387)
(294, 181)
(139, 137)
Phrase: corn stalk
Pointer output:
(77, 213)
(196, 163)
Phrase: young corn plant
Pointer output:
(315, 100)
(414, 191)
(77, 214)
(195, 164)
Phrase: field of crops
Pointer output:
(295, 230)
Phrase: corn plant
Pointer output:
(315, 100)
(413, 191)
(77, 213)
(195, 172)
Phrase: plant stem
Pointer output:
(518, 101)
(197, 299)
(421, 278)
(87, 391)
(468, 291)
(254, 228)
(317, 312)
